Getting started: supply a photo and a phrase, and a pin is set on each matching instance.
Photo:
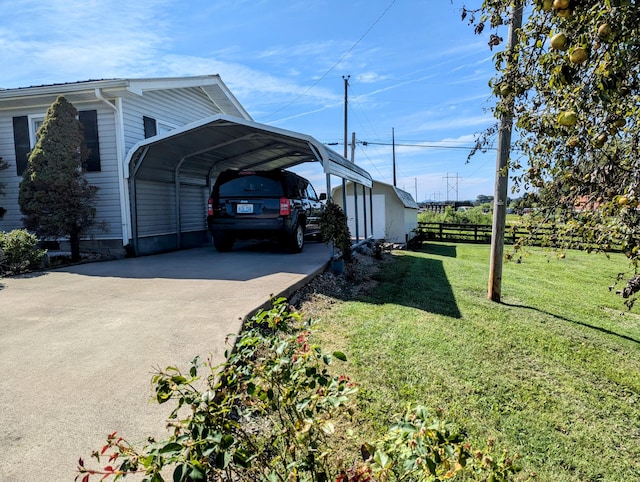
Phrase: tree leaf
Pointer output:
(340, 356)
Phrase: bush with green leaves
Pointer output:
(334, 230)
(275, 411)
(19, 251)
(475, 215)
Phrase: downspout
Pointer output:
(125, 218)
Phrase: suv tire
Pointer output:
(222, 241)
(296, 239)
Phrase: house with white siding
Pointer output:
(117, 115)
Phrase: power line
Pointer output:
(426, 146)
(336, 64)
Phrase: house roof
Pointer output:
(204, 148)
(88, 90)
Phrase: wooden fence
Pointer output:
(481, 233)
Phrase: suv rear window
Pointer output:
(252, 185)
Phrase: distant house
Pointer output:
(116, 115)
(395, 212)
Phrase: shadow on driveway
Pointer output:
(248, 260)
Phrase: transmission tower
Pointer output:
(452, 184)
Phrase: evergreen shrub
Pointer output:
(19, 251)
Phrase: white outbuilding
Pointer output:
(391, 214)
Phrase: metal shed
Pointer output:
(170, 175)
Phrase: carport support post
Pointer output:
(344, 196)
(364, 209)
(133, 195)
(355, 202)
(371, 206)
(178, 214)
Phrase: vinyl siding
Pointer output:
(176, 107)
(108, 204)
(155, 200)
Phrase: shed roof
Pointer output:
(211, 145)
(405, 198)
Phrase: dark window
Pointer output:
(21, 142)
(89, 120)
(150, 127)
(251, 186)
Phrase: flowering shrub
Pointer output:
(268, 414)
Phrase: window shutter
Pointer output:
(89, 120)
(21, 142)
(150, 127)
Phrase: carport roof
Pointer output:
(211, 145)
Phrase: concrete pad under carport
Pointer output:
(78, 345)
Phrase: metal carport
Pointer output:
(170, 175)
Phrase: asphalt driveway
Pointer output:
(78, 344)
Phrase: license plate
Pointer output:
(244, 209)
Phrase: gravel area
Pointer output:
(359, 277)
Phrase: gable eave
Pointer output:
(85, 91)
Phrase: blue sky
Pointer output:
(415, 67)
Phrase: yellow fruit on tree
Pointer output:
(560, 4)
(559, 41)
(578, 55)
(567, 118)
(564, 13)
(601, 139)
(604, 30)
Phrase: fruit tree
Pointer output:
(574, 89)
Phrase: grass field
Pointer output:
(552, 373)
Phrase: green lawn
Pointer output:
(552, 373)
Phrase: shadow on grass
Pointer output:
(417, 283)
(581, 323)
(438, 250)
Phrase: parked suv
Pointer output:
(261, 205)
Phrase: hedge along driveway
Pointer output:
(78, 345)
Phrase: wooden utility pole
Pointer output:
(393, 143)
(346, 96)
(502, 173)
(346, 123)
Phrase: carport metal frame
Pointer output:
(203, 149)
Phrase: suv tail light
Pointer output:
(285, 206)
(210, 207)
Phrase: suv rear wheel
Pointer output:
(296, 240)
(222, 241)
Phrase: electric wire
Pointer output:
(336, 64)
